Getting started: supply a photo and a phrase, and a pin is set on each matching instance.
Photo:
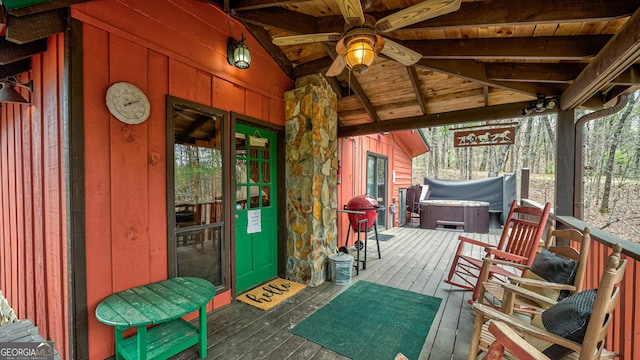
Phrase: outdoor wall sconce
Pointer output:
(8, 92)
(238, 53)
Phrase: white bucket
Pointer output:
(340, 266)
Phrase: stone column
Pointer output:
(311, 165)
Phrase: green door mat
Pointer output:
(371, 321)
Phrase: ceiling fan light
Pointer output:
(360, 54)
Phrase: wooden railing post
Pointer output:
(524, 183)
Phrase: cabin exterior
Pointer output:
(89, 202)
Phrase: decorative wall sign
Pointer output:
(484, 137)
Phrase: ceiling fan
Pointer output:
(360, 43)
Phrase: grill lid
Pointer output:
(362, 202)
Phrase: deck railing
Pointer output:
(624, 332)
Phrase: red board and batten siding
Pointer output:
(33, 250)
(352, 152)
(125, 166)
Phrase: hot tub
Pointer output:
(455, 215)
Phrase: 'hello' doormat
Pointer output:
(270, 294)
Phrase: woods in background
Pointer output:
(611, 153)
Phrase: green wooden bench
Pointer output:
(161, 304)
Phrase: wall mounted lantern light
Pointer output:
(238, 53)
(8, 92)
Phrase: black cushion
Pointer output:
(568, 318)
(554, 268)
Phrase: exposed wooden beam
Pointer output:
(10, 52)
(355, 86)
(46, 6)
(260, 4)
(506, 111)
(276, 53)
(508, 12)
(312, 67)
(415, 83)
(619, 53)
(630, 76)
(534, 72)
(279, 18)
(15, 68)
(28, 28)
(533, 48)
(476, 71)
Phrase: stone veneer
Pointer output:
(311, 165)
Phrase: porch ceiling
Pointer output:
(488, 60)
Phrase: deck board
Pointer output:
(414, 259)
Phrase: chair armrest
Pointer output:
(504, 262)
(527, 294)
(540, 283)
(505, 255)
(476, 242)
(522, 326)
(509, 339)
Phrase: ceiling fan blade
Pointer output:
(305, 39)
(413, 14)
(337, 66)
(400, 53)
(352, 12)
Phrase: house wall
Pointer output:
(33, 250)
(147, 44)
(352, 152)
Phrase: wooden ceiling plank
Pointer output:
(43, 7)
(15, 68)
(261, 4)
(415, 83)
(28, 28)
(545, 73)
(488, 113)
(355, 86)
(546, 47)
(10, 52)
(276, 53)
(476, 71)
(509, 12)
(619, 53)
(278, 18)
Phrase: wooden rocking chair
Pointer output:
(518, 244)
(537, 295)
(592, 346)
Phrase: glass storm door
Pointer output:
(377, 185)
(255, 207)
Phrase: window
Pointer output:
(196, 191)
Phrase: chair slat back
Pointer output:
(523, 230)
(604, 305)
(580, 254)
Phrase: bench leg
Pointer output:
(118, 339)
(203, 331)
(142, 342)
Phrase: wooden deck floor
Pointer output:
(414, 259)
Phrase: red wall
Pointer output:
(163, 48)
(33, 250)
(352, 152)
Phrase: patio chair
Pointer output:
(554, 274)
(587, 313)
(508, 339)
(518, 244)
(416, 194)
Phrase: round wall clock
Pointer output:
(128, 103)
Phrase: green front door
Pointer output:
(256, 207)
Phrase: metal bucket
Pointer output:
(340, 266)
